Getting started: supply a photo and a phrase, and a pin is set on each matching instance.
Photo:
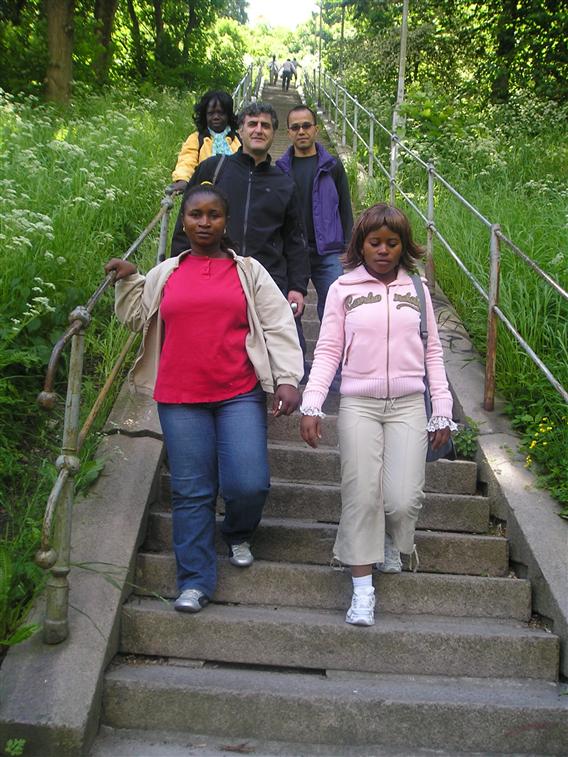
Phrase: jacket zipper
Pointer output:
(247, 206)
(388, 343)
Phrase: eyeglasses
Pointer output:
(305, 125)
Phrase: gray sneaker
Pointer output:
(392, 563)
(241, 556)
(191, 600)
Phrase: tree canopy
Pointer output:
(488, 49)
(46, 45)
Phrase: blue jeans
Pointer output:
(212, 446)
(324, 270)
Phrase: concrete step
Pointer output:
(310, 327)
(322, 502)
(128, 742)
(297, 585)
(290, 461)
(440, 512)
(349, 711)
(300, 541)
(321, 640)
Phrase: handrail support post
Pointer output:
(56, 623)
(493, 302)
(430, 266)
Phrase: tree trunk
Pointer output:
(159, 25)
(139, 53)
(60, 49)
(192, 24)
(505, 52)
(104, 15)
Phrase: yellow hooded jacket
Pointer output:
(191, 154)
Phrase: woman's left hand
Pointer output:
(286, 400)
(439, 438)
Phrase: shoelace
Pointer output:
(362, 601)
(191, 594)
(240, 550)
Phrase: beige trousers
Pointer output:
(383, 447)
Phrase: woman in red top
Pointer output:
(219, 323)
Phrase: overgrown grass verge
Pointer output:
(511, 163)
(76, 187)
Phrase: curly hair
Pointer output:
(256, 109)
(200, 111)
(370, 220)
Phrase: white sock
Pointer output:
(363, 584)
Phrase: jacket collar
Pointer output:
(325, 159)
(360, 275)
(249, 161)
(185, 253)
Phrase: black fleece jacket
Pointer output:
(265, 218)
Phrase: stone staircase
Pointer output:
(454, 661)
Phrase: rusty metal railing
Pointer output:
(349, 118)
(55, 547)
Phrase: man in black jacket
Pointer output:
(265, 216)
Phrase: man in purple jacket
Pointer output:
(323, 191)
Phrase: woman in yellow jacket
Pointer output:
(216, 135)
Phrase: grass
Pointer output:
(77, 187)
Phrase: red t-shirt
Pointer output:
(203, 357)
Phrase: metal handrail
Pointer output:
(333, 100)
(54, 551)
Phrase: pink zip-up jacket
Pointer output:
(373, 329)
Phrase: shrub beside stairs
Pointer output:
(454, 661)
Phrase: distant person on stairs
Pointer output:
(287, 71)
(216, 135)
(273, 71)
(323, 191)
(371, 326)
(217, 335)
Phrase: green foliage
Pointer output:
(487, 50)
(174, 47)
(545, 444)
(15, 747)
(465, 439)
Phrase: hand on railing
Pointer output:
(178, 187)
(121, 267)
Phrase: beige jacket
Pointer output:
(191, 154)
(272, 343)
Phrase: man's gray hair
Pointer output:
(255, 109)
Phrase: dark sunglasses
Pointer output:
(305, 125)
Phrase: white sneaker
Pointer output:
(392, 563)
(362, 610)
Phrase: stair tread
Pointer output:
(494, 692)
(319, 618)
(313, 525)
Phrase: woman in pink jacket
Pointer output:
(371, 325)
